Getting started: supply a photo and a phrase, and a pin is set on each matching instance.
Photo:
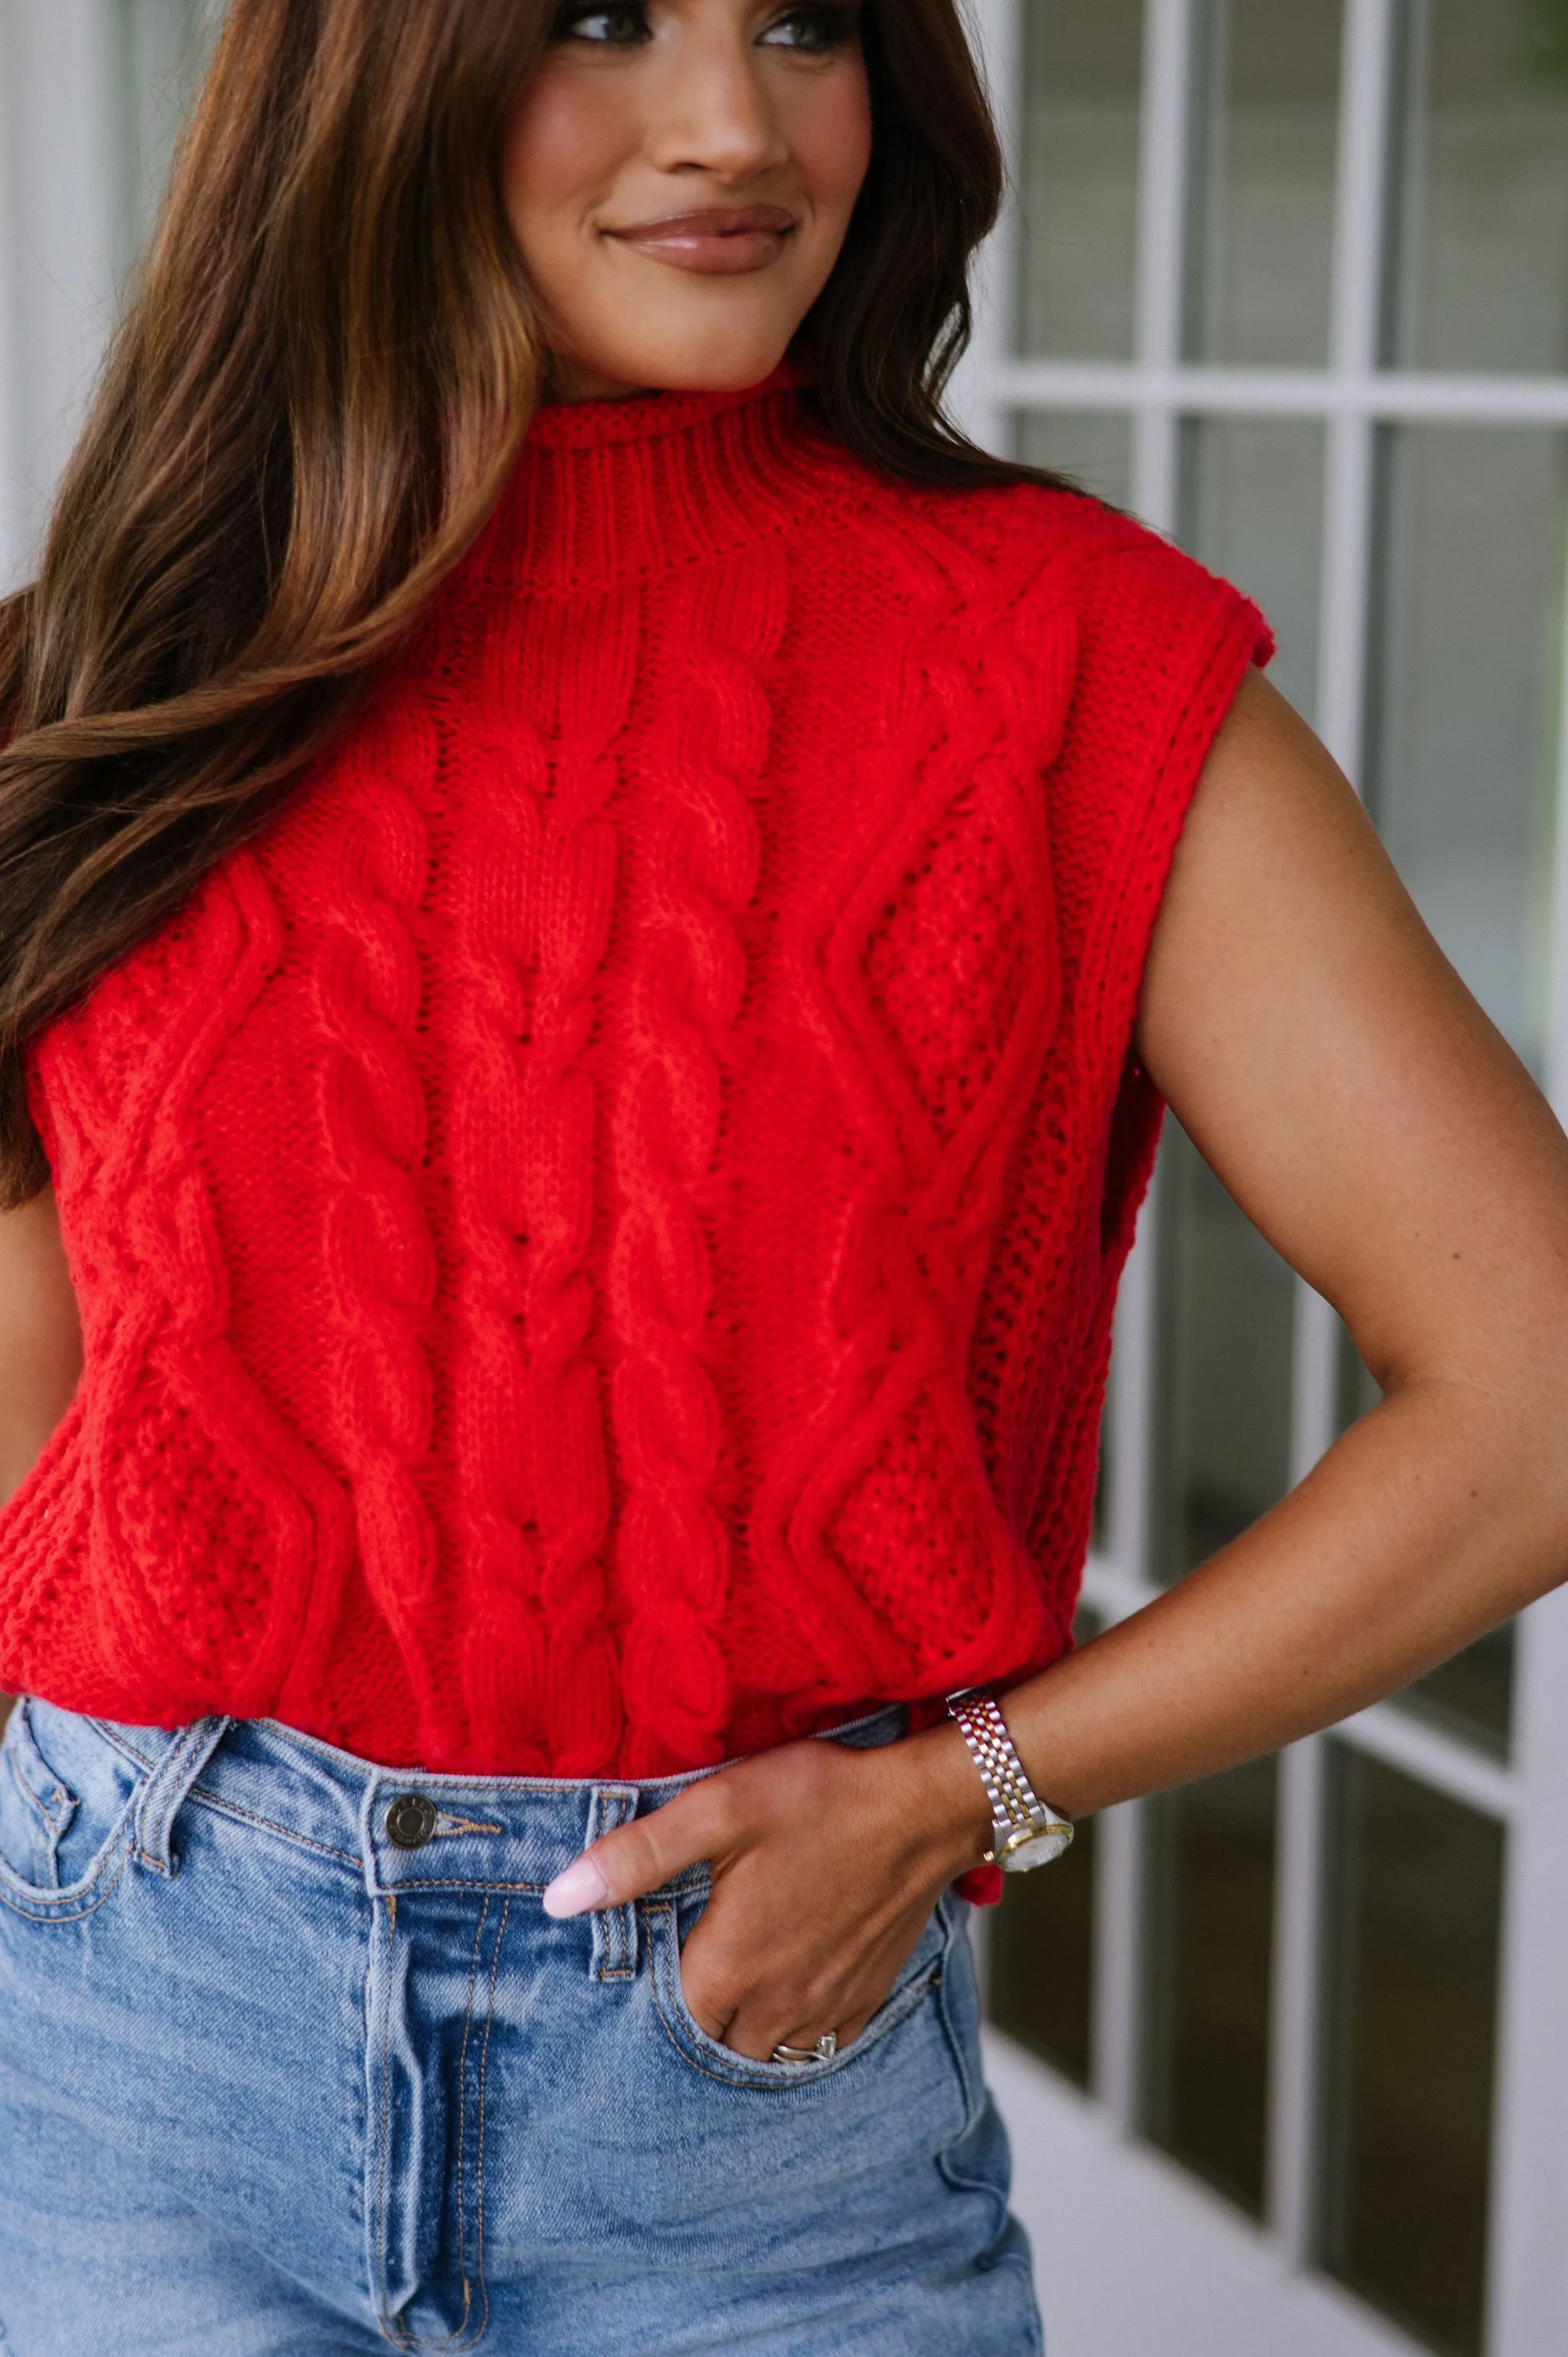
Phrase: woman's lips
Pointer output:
(722, 239)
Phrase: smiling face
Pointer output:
(679, 178)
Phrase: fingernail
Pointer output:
(581, 1886)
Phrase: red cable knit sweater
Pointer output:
(596, 1236)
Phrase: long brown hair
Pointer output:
(311, 407)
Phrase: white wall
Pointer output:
(61, 196)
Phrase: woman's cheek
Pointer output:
(560, 153)
(831, 142)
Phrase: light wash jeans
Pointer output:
(273, 2085)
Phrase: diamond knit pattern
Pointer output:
(597, 1232)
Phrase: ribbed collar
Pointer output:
(610, 490)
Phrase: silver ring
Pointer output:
(826, 2046)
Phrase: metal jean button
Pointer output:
(410, 1821)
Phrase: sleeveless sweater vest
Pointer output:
(596, 1232)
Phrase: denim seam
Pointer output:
(210, 1799)
(225, 1808)
(484, 2082)
(386, 2119)
(692, 1882)
(472, 2331)
(452, 2339)
(126, 1751)
(969, 2095)
(405, 2340)
(40, 1802)
(757, 2076)
(475, 1882)
(70, 1912)
(43, 1825)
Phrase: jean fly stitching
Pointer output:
(484, 2074)
(472, 2329)
(386, 2117)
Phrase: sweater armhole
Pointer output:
(1193, 638)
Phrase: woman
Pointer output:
(594, 908)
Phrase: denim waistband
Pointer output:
(484, 1833)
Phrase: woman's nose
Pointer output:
(714, 113)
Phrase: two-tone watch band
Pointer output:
(1025, 1829)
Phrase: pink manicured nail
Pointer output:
(581, 1886)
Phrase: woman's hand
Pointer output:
(826, 1863)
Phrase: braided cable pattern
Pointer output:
(705, 856)
(562, 1147)
(496, 891)
(378, 1261)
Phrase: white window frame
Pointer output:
(1353, 397)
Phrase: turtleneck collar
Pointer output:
(612, 490)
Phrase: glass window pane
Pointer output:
(162, 44)
(1414, 1931)
(1481, 279)
(1266, 126)
(1210, 1971)
(1463, 749)
(1472, 1696)
(1083, 63)
(1104, 1474)
(1252, 509)
(1041, 1943)
(1227, 1318)
(1093, 448)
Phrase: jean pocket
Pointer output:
(918, 1981)
(66, 1804)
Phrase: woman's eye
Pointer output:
(614, 28)
(815, 29)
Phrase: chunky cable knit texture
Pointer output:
(596, 1232)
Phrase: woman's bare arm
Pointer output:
(1360, 1108)
(40, 1336)
(40, 1342)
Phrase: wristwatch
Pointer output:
(1026, 1832)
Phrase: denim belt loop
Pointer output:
(167, 1786)
(615, 1928)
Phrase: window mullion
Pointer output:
(1529, 2285)
(977, 398)
(1297, 2023)
(1360, 244)
(1162, 248)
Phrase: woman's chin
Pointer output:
(720, 364)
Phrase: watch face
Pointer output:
(1028, 1850)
